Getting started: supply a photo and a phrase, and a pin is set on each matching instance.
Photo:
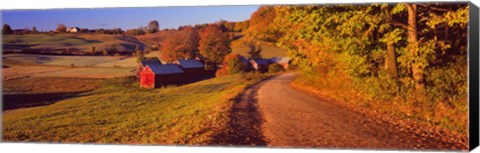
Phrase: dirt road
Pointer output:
(274, 114)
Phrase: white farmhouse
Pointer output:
(73, 30)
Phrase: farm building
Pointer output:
(192, 68)
(73, 30)
(260, 64)
(144, 63)
(156, 75)
(283, 61)
(246, 63)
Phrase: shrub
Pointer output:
(275, 68)
(232, 64)
(221, 72)
(253, 76)
(92, 50)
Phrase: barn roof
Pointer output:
(261, 61)
(190, 63)
(165, 69)
(150, 62)
(244, 59)
(279, 59)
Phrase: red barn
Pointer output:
(155, 75)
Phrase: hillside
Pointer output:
(155, 39)
(239, 46)
(82, 42)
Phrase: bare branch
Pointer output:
(399, 24)
(433, 8)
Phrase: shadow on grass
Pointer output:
(14, 101)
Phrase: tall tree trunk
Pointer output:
(391, 62)
(417, 69)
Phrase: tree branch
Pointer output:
(434, 8)
(396, 23)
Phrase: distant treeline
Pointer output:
(152, 27)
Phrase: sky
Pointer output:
(125, 18)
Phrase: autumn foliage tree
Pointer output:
(6, 29)
(232, 64)
(213, 45)
(180, 45)
(34, 30)
(409, 55)
(254, 51)
(61, 28)
(261, 25)
(153, 26)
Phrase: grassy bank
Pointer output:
(120, 112)
(404, 108)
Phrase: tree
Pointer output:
(92, 50)
(136, 31)
(139, 53)
(61, 28)
(7, 29)
(275, 68)
(232, 64)
(34, 30)
(254, 51)
(153, 26)
(180, 45)
(261, 27)
(214, 45)
(413, 53)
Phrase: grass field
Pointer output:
(26, 65)
(78, 41)
(78, 61)
(120, 112)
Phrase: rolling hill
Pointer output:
(82, 42)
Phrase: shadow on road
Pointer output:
(244, 126)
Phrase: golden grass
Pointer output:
(120, 112)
